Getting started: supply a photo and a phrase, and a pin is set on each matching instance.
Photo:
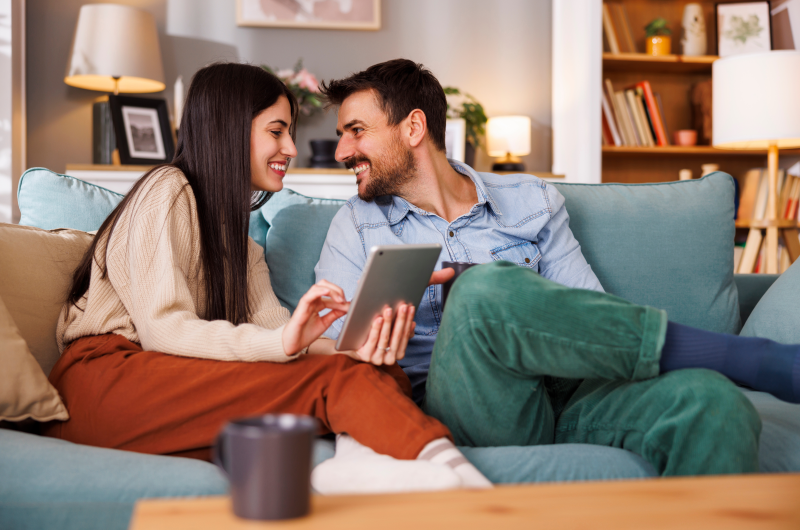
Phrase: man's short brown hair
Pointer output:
(401, 86)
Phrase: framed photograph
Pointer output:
(323, 14)
(455, 137)
(743, 27)
(142, 128)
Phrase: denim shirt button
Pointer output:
(451, 233)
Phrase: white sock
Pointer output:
(358, 469)
(442, 451)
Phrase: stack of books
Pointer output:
(748, 257)
(617, 29)
(633, 117)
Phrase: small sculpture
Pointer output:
(694, 40)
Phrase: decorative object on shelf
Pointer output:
(114, 49)
(756, 107)
(743, 27)
(658, 38)
(685, 174)
(143, 131)
(455, 135)
(694, 41)
(509, 137)
(702, 109)
(323, 154)
(303, 84)
(464, 106)
(685, 137)
(706, 169)
(321, 14)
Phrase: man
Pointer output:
(530, 350)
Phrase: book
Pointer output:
(738, 251)
(747, 196)
(642, 129)
(647, 120)
(626, 120)
(608, 30)
(608, 115)
(760, 206)
(752, 248)
(622, 25)
(618, 116)
(659, 131)
(629, 109)
(661, 113)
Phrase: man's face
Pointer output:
(372, 148)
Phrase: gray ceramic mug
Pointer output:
(459, 267)
(267, 460)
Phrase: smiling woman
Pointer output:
(271, 146)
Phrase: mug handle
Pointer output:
(216, 453)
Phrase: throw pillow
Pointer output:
(297, 229)
(776, 316)
(666, 245)
(24, 389)
(36, 268)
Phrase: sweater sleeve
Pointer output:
(158, 253)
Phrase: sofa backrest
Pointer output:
(668, 245)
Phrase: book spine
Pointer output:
(751, 251)
(630, 95)
(611, 35)
(655, 115)
(608, 115)
(632, 117)
(625, 120)
(612, 99)
(646, 120)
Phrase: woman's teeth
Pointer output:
(278, 167)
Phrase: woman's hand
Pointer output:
(306, 325)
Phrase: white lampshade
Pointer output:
(755, 100)
(508, 134)
(115, 41)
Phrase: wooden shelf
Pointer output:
(640, 62)
(763, 223)
(689, 150)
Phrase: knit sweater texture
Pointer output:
(154, 293)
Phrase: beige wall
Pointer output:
(497, 50)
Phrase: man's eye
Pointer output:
(357, 130)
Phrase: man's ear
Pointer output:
(417, 125)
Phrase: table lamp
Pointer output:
(756, 107)
(115, 49)
(508, 137)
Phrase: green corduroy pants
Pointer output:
(521, 360)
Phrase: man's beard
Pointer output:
(388, 175)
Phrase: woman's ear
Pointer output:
(417, 127)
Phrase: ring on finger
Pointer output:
(387, 349)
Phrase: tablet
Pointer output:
(393, 274)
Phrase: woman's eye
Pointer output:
(277, 133)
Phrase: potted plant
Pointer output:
(463, 105)
(658, 37)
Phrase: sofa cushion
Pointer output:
(297, 229)
(666, 245)
(776, 315)
(779, 444)
(37, 268)
(24, 389)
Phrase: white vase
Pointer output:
(694, 30)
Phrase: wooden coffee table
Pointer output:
(749, 501)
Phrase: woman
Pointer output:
(171, 327)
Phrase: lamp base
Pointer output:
(508, 166)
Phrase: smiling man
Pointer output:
(530, 350)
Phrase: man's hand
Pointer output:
(442, 276)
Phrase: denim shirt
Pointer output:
(518, 218)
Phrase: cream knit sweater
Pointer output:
(154, 293)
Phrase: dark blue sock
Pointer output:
(760, 364)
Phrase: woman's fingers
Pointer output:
(336, 292)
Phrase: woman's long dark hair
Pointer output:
(214, 154)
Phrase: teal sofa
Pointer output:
(667, 245)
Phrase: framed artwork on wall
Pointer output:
(142, 128)
(743, 27)
(321, 14)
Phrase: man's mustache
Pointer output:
(356, 160)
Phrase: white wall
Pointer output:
(497, 50)
(5, 111)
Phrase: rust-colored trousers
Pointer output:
(123, 397)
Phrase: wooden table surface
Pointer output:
(753, 501)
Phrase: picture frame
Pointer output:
(142, 128)
(323, 14)
(455, 138)
(743, 27)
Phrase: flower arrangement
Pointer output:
(303, 84)
(463, 105)
(657, 27)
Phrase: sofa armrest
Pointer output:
(751, 288)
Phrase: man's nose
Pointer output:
(344, 150)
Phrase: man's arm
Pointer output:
(562, 260)
(342, 259)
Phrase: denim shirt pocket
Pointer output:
(524, 253)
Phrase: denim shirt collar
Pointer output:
(397, 208)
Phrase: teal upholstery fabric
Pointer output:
(667, 245)
(777, 314)
(49, 200)
(779, 445)
(297, 229)
(751, 288)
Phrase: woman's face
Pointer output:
(271, 146)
